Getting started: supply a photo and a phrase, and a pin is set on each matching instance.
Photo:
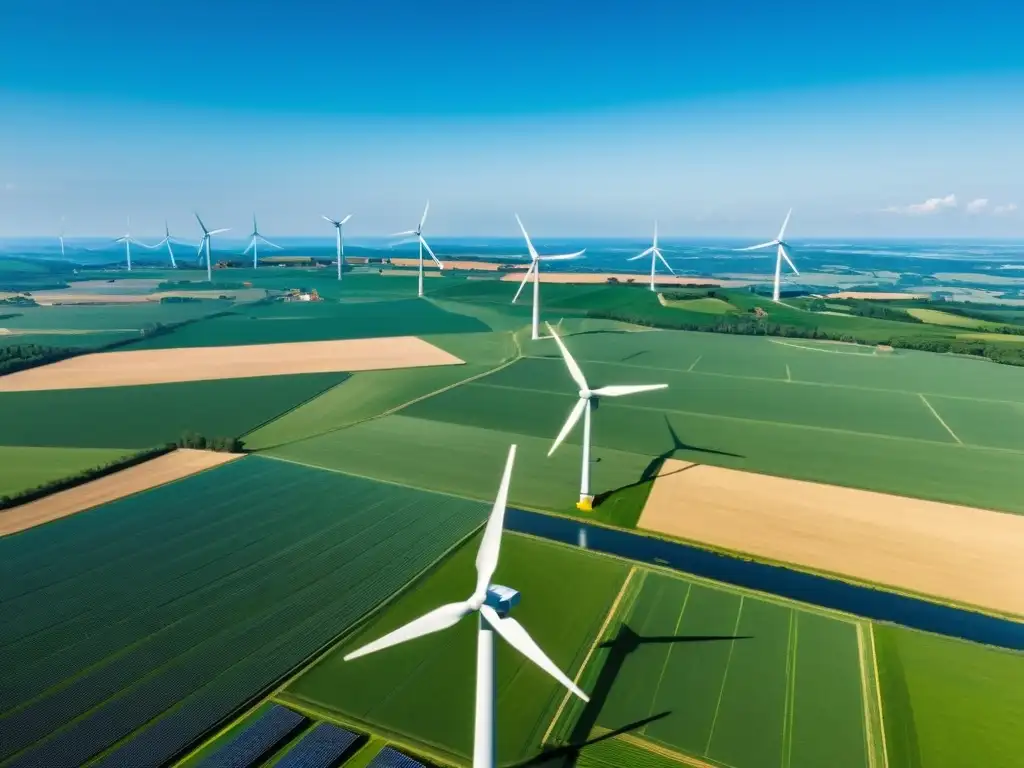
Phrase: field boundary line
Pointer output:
(593, 647)
(827, 351)
(657, 748)
(668, 655)
(830, 384)
(868, 670)
(936, 415)
(725, 677)
(878, 693)
(789, 376)
(694, 364)
(786, 424)
(787, 716)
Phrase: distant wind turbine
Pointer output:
(780, 254)
(127, 239)
(61, 236)
(492, 603)
(655, 253)
(257, 238)
(534, 269)
(207, 234)
(338, 226)
(416, 235)
(167, 241)
(588, 399)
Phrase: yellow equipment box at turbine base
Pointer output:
(585, 505)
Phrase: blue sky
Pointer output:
(586, 119)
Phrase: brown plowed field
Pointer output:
(962, 554)
(163, 469)
(161, 366)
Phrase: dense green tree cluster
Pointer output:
(201, 442)
(17, 357)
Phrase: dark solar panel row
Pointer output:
(258, 740)
(323, 747)
(392, 758)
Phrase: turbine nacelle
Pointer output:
(501, 599)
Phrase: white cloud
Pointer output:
(929, 206)
(1002, 210)
(977, 206)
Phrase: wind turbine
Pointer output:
(338, 224)
(61, 236)
(589, 398)
(417, 234)
(780, 254)
(166, 241)
(534, 269)
(655, 253)
(207, 234)
(492, 603)
(257, 237)
(127, 239)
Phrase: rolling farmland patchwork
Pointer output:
(143, 416)
(423, 691)
(158, 615)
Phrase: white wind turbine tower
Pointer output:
(127, 239)
(338, 225)
(492, 603)
(207, 234)
(655, 253)
(417, 235)
(257, 238)
(780, 254)
(534, 269)
(61, 236)
(166, 241)
(588, 399)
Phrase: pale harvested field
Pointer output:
(49, 298)
(956, 553)
(62, 331)
(162, 366)
(602, 277)
(486, 266)
(141, 284)
(163, 469)
(879, 296)
(407, 273)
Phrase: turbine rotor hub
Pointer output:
(586, 394)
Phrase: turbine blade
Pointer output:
(782, 232)
(328, 218)
(657, 252)
(618, 390)
(218, 231)
(648, 252)
(425, 245)
(249, 247)
(404, 234)
(570, 363)
(424, 219)
(516, 636)
(406, 241)
(563, 256)
(759, 246)
(202, 242)
(201, 223)
(526, 278)
(785, 255)
(438, 619)
(490, 544)
(272, 245)
(655, 233)
(345, 219)
(574, 417)
(529, 243)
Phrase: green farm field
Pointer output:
(948, 703)
(281, 322)
(22, 468)
(144, 416)
(423, 691)
(237, 576)
(908, 423)
(728, 677)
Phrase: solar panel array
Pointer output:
(258, 740)
(392, 758)
(322, 747)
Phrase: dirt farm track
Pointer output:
(162, 366)
(956, 553)
(163, 469)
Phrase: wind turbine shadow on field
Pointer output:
(625, 642)
(653, 468)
